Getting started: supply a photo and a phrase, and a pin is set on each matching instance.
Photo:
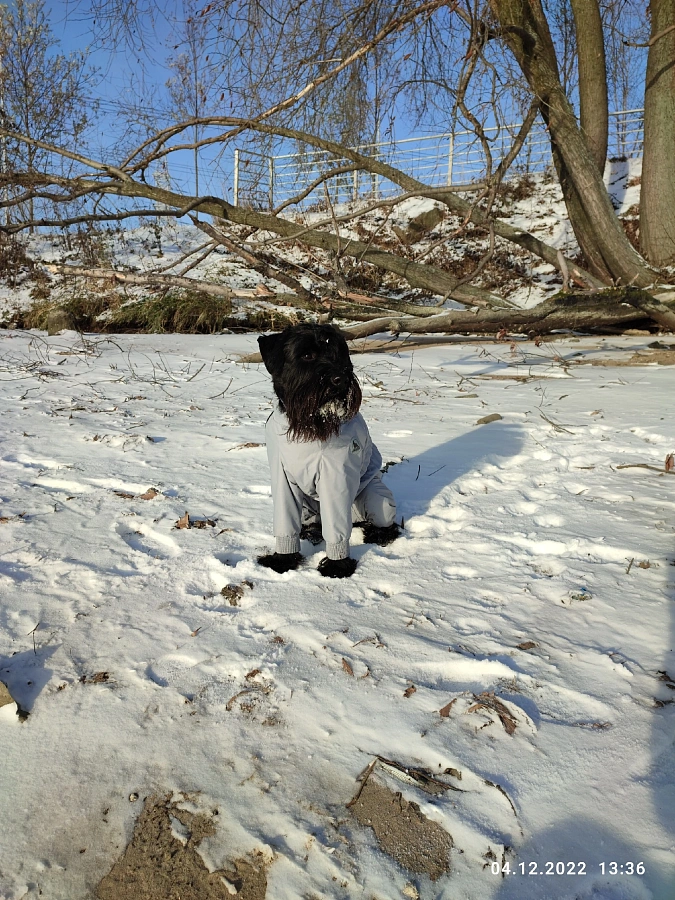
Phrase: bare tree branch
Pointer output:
(652, 40)
(259, 265)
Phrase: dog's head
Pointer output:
(313, 378)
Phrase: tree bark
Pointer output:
(657, 201)
(593, 102)
(525, 30)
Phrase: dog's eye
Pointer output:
(308, 357)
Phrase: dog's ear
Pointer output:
(272, 352)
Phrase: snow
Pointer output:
(140, 677)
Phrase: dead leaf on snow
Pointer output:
(234, 592)
(150, 494)
(183, 522)
(96, 678)
(186, 522)
(670, 462)
(347, 667)
(5, 519)
(5, 696)
(445, 711)
(666, 679)
(488, 700)
(125, 495)
(421, 778)
(201, 523)
(408, 692)
(527, 645)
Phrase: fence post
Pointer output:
(235, 189)
(271, 185)
(451, 153)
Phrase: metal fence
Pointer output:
(263, 182)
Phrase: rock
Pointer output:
(59, 319)
(5, 696)
(419, 226)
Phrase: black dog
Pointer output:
(325, 468)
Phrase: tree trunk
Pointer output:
(579, 312)
(614, 307)
(593, 103)
(657, 202)
(525, 30)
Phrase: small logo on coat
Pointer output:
(355, 447)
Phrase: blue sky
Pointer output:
(138, 75)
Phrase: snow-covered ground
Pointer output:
(532, 568)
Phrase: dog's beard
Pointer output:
(313, 418)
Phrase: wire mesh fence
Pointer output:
(266, 182)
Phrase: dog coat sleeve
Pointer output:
(286, 497)
(337, 486)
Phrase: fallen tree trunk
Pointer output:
(574, 312)
(577, 312)
(447, 196)
(255, 262)
(418, 275)
(156, 279)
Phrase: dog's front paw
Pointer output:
(281, 562)
(337, 568)
(373, 534)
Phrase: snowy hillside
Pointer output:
(533, 204)
(507, 664)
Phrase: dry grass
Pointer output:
(184, 312)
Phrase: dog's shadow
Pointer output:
(415, 482)
(26, 676)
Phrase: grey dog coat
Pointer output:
(333, 473)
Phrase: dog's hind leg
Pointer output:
(375, 510)
(375, 504)
(311, 522)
